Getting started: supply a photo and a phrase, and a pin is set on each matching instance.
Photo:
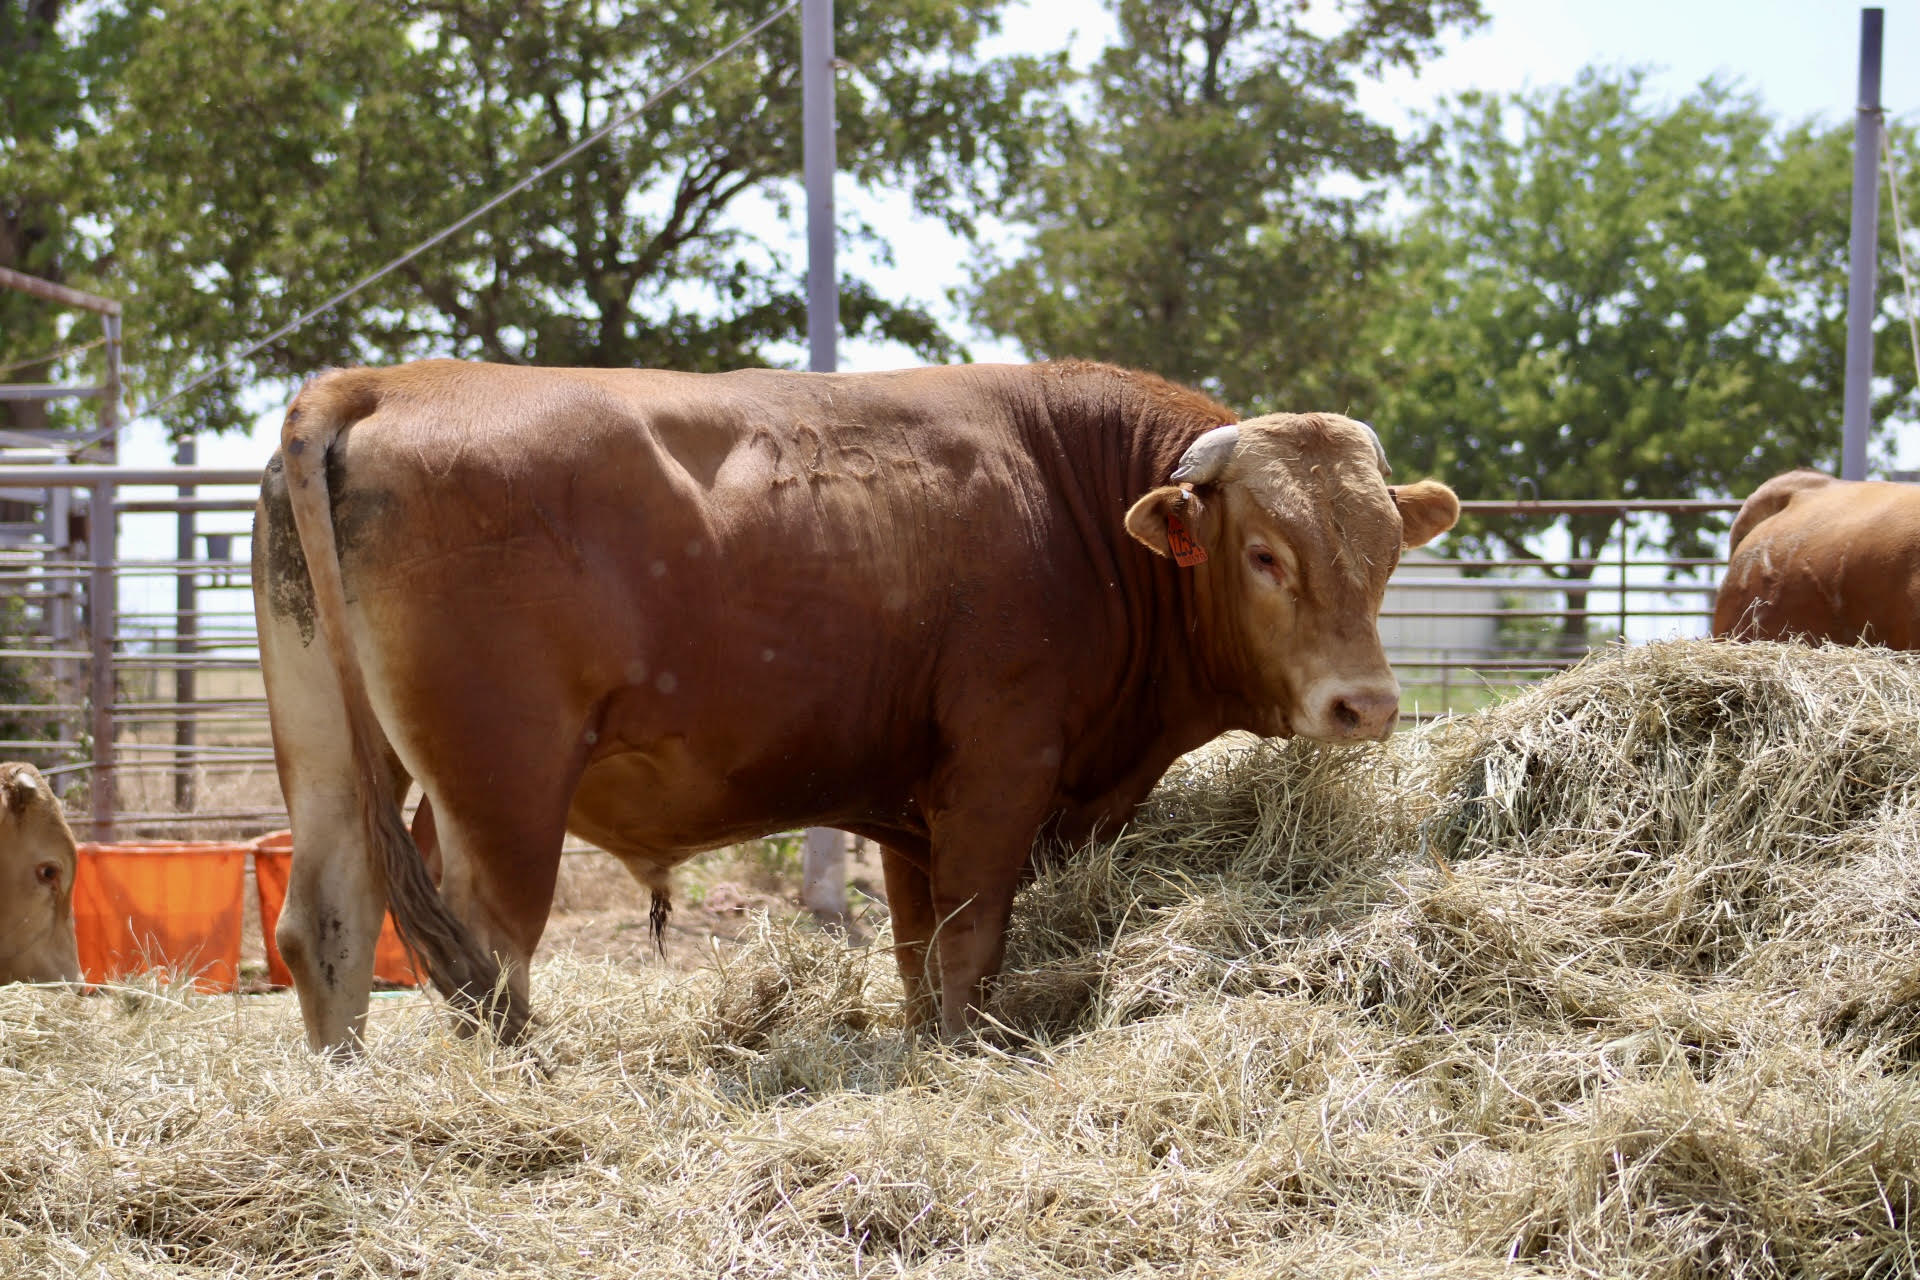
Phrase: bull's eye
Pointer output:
(1266, 562)
(47, 873)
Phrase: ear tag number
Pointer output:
(1186, 552)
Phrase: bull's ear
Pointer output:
(1427, 510)
(1148, 521)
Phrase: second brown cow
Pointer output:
(1815, 558)
(38, 860)
(942, 608)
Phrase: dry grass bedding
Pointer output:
(1618, 978)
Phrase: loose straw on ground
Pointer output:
(1656, 1017)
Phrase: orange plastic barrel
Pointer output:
(272, 864)
(160, 904)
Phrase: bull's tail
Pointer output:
(659, 907)
(462, 971)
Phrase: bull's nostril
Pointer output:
(1344, 713)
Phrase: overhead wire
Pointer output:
(616, 122)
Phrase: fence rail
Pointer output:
(152, 714)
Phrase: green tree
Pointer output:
(1603, 296)
(51, 63)
(266, 153)
(1203, 211)
(38, 96)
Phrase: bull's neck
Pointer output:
(1198, 657)
(1179, 669)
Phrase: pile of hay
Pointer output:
(1620, 978)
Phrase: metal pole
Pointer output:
(185, 628)
(817, 140)
(823, 855)
(84, 475)
(1863, 254)
(63, 614)
(102, 608)
(823, 875)
(102, 617)
(1625, 523)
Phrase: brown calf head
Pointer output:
(1300, 531)
(37, 864)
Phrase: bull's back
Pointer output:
(702, 493)
(1835, 563)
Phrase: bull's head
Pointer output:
(1299, 531)
(37, 862)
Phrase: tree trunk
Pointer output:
(21, 415)
(25, 222)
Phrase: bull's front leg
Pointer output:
(989, 810)
(910, 905)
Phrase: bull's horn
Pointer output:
(1380, 452)
(1207, 457)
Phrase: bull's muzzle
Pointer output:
(1350, 712)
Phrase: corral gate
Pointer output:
(167, 757)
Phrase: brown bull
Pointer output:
(37, 863)
(1815, 558)
(939, 608)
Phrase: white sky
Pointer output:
(1801, 56)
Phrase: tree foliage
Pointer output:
(1204, 208)
(40, 91)
(1603, 296)
(254, 157)
(49, 69)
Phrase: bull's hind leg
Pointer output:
(335, 904)
(489, 721)
(500, 857)
(499, 774)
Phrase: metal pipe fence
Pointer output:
(1464, 632)
(143, 752)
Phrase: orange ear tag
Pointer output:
(1186, 552)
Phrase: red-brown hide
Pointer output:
(667, 612)
(1814, 558)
